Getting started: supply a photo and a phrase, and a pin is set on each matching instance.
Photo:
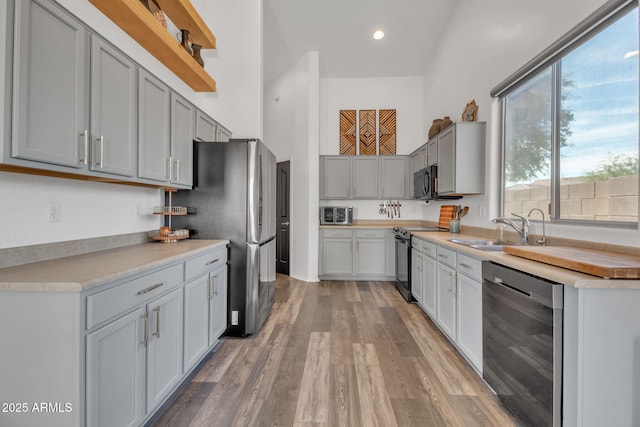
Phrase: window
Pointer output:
(571, 131)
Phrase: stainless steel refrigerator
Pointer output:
(234, 197)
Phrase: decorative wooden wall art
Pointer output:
(347, 132)
(387, 129)
(368, 132)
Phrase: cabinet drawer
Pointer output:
(429, 249)
(337, 232)
(446, 256)
(417, 243)
(203, 263)
(379, 233)
(107, 304)
(470, 267)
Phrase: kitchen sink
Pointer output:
(483, 244)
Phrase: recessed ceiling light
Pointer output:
(378, 34)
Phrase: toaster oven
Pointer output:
(336, 215)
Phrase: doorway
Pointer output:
(282, 217)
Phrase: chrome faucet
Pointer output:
(543, 240)
(523, 230)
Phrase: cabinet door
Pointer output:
(205, 127)
(370, 257)
(470, 319)
(416, 276)
(446, 300)
(337, 256)
(164, 352)
(447, 161)
(196, 321)
(432, 152)
(335, 177)
(218, 288)
(393, 177)
(114, 116)
(115, 383)
(50, 96)
(154, 106)
(429, 286)
(182, 127)
(365, 178)
(222, 134)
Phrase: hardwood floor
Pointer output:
(338, 354)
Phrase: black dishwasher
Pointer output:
(522, 343)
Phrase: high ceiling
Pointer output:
(342, 32)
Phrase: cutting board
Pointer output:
(446, 213)
(611, 265)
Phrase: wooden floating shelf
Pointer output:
(140, 24)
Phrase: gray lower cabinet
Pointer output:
(50, 96)
(423, 275)
(154, 136)
(446, 292)
(356, 253)
(469, 310)
(370, 255)
(336, 252)
(114, 118)
(116, 372)
(217, 295)
(182, 129)
(196, 320)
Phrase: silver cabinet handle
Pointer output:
(85, 137)
(150, 288)
(443, 256)
(210, 287)
(145, 319)
(157, 332)
(213, 261)
(100, 140)
(467, 266)
(215, 286)
(177, 163)
(170, 168)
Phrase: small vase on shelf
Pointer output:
(196, 54)
(445, 123)
(184, 41)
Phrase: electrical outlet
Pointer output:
(234, 318)
(54, 211)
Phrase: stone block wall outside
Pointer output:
(613, 200)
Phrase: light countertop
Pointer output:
(546, 271)
(82, 272)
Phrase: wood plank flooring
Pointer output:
(338, 354)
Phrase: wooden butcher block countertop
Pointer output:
(590, 261)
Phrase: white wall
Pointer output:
(404, 94)
(291, 110)
(486, 42)
(92, 209)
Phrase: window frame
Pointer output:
(551, 58)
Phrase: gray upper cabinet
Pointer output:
(222, 134)
(335, 177)
(114, 118)
(182, 132)
(394, 182)
(432, 152)
(461, 153)
(154, 137)
(50, 95)
(206, 127)
(365, 177)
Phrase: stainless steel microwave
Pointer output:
(425, 185)
(336, 215)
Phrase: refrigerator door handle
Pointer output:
(253, 183)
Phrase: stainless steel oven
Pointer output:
(522, 343)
